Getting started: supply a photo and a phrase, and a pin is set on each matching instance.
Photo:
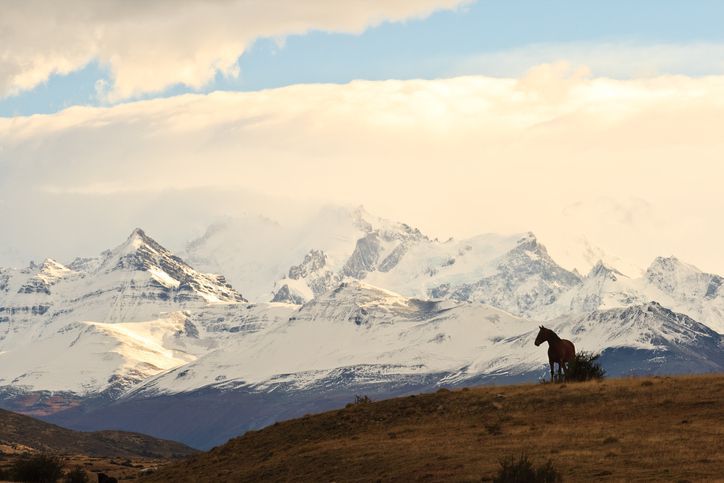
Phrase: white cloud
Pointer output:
(620, 59)
(150, 46)
(634, 165)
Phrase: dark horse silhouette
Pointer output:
(560, 350)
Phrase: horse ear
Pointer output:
(540, 326)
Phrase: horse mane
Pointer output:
(553, 335)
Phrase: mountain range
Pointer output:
(144, 340)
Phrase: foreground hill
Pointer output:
(659, 428)
(24, 433)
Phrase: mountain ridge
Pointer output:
(376, 304)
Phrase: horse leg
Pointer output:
(552, 373)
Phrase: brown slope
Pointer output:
(626, 429)
(19, 430)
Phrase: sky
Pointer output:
(594, 124)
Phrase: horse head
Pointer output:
(542, 336)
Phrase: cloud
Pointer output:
(150, 46)
(635, 165)
(620, 59)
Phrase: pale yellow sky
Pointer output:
(632, 166)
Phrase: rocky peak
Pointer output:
(139, 241)
(600, 270)
(51, 271)
(529, 246)
(669, 273)
(313, 261)
(46, 275)
(50, 266)
(665, 264)
(682, 280)
(141, 253)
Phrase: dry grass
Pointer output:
(120, 468)
(668, 429)
(116, 453)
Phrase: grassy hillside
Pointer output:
(117, 453)
(668, 428)
(26, 433)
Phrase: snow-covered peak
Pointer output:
(357, 302)
(51, 271)
(600, 269)
(136, 239)
(670, 264)
(670, 273)
(602, 288)
(140, 264)
(138, 251)
(529, 246)
(668, 281)
(384, 227)
(649, 325)
(675, 277)
(38, 279)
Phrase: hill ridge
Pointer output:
(40, 436)
(657, 428)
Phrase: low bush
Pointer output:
(40, 468)
(76, 475)
(494, 429)
(359, 400)
(521, 470)
(585, 368)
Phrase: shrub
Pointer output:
(585, 368)
(362, 400)
(40, 468)
(76, 475)
(494, 428)
(359, 400)
(521, 470)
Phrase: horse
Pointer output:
(560, 350)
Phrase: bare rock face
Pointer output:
(287, 295)
(307, 280)
(313, 262)
(364, 258)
